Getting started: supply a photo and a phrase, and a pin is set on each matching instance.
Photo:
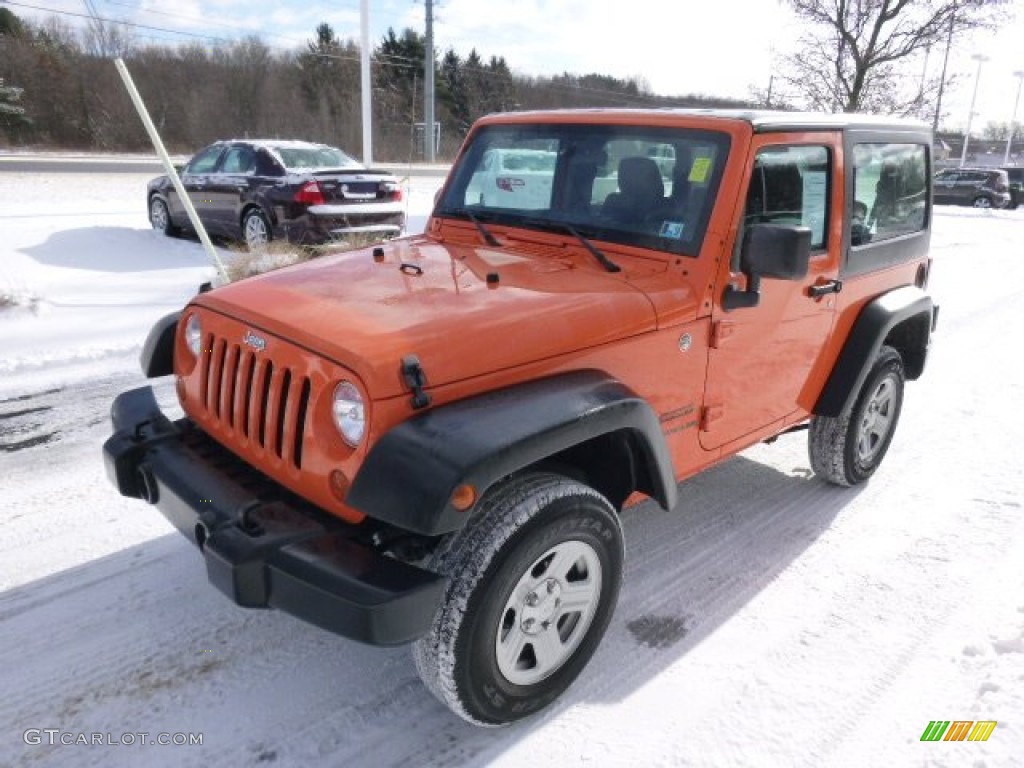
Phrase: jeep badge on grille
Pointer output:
(256, 342)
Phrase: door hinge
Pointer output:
(416, 380)
(710, 414)
(720, 331)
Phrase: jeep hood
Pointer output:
(434, 300)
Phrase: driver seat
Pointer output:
(641, 190)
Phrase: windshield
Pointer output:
(313, 157)
(647, 186)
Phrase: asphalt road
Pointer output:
(142, 164)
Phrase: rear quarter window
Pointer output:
(890, 191)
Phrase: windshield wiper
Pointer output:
(485, 233)
(603, 260)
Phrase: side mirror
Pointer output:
(779, 251)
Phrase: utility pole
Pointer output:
(428, 86)
(364, 60)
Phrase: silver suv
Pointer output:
(980, 187)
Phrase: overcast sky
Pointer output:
(722, 47)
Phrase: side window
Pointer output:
(266, 165)
(205, 161)
(790, 185)
(890, 191)
(239, 160)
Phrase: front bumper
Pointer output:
(264, 547)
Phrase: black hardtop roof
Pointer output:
(767, 120)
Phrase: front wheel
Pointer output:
(982, 202)
(160, 217)
(846, 450)
(534, 577)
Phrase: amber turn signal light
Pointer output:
(464, 497)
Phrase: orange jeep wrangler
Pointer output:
(433, 440)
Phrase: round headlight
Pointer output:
(349, 413)
(193, 334)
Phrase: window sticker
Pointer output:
(672, 230)
(815, 186)
(700, 169)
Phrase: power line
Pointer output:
(132, 24)
(382, 59)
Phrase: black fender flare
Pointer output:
(410, 473)
(157, 358)
(870, 331)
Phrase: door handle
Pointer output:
(822, 289)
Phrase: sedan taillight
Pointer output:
(391, 190)
(310, 194)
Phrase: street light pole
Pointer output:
(981, 59)
(942, 78)
(1019, 74)
(364, 82)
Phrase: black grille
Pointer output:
(263, 404)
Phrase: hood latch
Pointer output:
(416, 380)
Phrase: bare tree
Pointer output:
(995, 131)
(868, 55)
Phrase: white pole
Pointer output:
(1019, 74)
(364, 57)
(981, 59)
(197, 225)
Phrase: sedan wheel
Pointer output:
(256, 230)
(982, 202)
(160, 217)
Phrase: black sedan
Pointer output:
(256, 191)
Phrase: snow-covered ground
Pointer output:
(769, 620)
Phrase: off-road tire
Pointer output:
(160, 217)
(846, 450)
(507, 541)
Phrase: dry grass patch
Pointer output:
(10, 298)
(244, 263)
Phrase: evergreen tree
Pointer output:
(12, 115)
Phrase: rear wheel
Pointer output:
(982, 202)
(534, 577)
(846, 450)
(160, 217)
(255, 229)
